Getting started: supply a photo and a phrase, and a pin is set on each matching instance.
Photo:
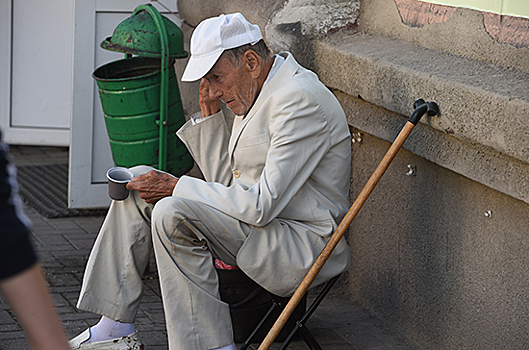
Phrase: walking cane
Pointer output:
(421, 108)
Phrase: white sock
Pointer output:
(228, 347)
(108, 329)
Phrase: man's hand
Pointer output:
(153, 185)
(207, 105)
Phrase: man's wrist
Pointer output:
(198, 118)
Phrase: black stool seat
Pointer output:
(249, 303)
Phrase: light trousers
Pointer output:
(185, 236)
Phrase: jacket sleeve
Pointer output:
(207, 142)
(299, 139)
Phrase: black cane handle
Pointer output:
(421, 108)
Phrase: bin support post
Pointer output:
(164, 86)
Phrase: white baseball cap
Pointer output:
(214, 35)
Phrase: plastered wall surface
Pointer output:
(463, 34)
(441, 257)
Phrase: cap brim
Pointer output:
(197, 67)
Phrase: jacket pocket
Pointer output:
(246, 142)
(322, 228)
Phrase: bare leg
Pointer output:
(28, 295)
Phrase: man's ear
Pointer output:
(252, 63)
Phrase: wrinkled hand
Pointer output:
(208, 106)
(153, 185)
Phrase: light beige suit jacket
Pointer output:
(284, 170)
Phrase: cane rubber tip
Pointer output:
(433, 109)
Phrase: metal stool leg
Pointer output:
(305, 334)
(297, 322)
(300, 325)
(246, 344)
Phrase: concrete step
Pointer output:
(481, 132)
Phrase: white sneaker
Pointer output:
(128, 342)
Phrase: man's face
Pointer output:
(233, 85)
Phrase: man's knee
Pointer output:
(168, 208)
(169, 212)
(173, 220)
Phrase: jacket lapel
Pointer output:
(285, 72)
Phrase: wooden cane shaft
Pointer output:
(336, 236)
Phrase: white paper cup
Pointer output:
(117, 182)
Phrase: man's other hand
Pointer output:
(153, 185)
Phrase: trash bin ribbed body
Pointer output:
(129, 91)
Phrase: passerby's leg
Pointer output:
(185, 236)
(29, 297)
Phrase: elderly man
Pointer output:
(275, 188)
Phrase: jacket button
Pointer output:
(236, 173)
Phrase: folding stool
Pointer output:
(281, 302)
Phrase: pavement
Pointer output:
(63, 246)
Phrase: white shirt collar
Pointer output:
(278, 61)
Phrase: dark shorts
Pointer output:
(16, 251)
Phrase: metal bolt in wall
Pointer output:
(412, 170)
(357, 137)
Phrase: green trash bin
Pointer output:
(140, 96)
(129, 91)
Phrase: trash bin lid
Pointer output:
(138, 35)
